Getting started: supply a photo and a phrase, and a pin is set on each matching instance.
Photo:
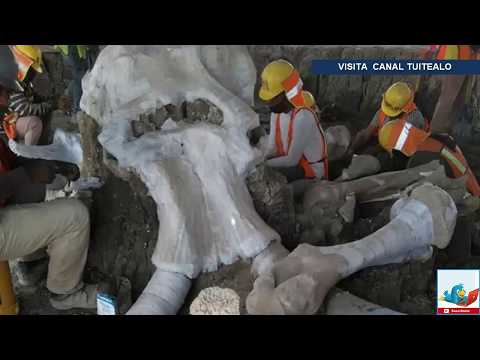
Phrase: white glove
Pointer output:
(85, 183)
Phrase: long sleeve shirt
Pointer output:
(415, 118)
(25, 104)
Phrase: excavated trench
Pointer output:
(124, 216)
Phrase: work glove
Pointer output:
(40, 172)
(69, 170)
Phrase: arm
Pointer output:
(24, 107)
(270, 148)
(416, 119)
(363, 136)
(304, 128)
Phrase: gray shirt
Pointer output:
(415, 118)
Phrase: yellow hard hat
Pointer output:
(34, 53)
(384, 136)
(273, 76)
(308, 99)
(396, 98)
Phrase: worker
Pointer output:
(63, 226)
(422, 147)
(296, 137)
(397, 103)
(455, 89)
(25, 110)
(81, 58)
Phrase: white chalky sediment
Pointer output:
(216, 301)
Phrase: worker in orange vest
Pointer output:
(422, 147)
(62, 225)
(455, 88)
(397, 103)
(24, 118)
(297, 141)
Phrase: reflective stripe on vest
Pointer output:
(447, 154)
(23, 61)
(293, 86)
(304, 163)
(402, 138)
(405, 137)
(457, 162)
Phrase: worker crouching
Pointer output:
(297, 143)
(397, 104)
(422, 147)
(62, 226)
(28, 224)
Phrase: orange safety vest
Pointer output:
(304, 163)
(293, 86)
(408, 139)
(464, 52)
(408, 110)
(455, 159)
(9, 125)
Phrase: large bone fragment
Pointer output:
(299, 283)
(195, 172)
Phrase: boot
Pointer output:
(85, 297)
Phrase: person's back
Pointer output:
(299, 135)
(422, 147)
(296, 136)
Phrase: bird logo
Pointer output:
(458, 296)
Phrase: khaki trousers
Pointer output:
(62, 226)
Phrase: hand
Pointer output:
(40, 172)
(255, 135)
(70, 171)
(64, 104)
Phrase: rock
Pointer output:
(379, 285)
(338, 141)
(361, 165)
(150, 122)
(92, 151)
(203, 110)
(274, 202)
(216, 301)
(236, 277)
